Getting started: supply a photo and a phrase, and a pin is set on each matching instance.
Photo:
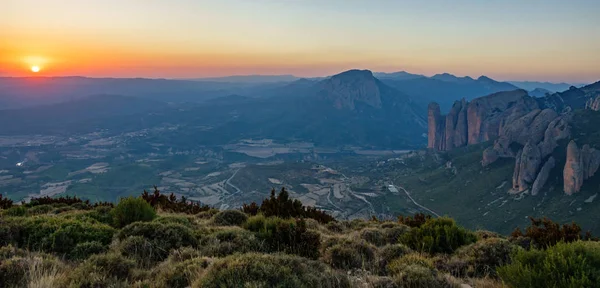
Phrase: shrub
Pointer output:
(392, 234)
(81, 206)
(413, 276)
(131, 210)
(27, 270)
(5, 203)
(230, 218)
(389, 253)
(351, 254)
(407, 260)
(62, 209)
(180, 274)
(575, 264)
(544, 232)
(174, 219)
(207, 214)
(284, 207)
(159, 238)
(416, 221)
(373, 236)
(40, 209)
(16, 211)
(440, 235)
(53, 234)
(230, 241)
(172, 204)
(484, 234)
(483, 257)
(270, 270)
(289, 236)
(142, 250)
(336, 227)
(46, 200)
(13, 272)
(103, 270)
(182, 254)
(84, 250)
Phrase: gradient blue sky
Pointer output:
(524, 40)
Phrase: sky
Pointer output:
(544, 40)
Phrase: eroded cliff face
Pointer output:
(345, 89)
(593, 103)
(581, 164)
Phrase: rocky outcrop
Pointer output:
(526, 167)
(557, 130)
(543, 176)
(593, 103)
(573, 172)
(436, 126)
(581, 164)
(486, 114)
(477, 121)
(348, 88)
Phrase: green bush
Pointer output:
(407, 260)
(40, 209)
(351, 254)
(84, 250)
(285, 235)
(230, 241)
(103, 270)
(230, 218)
(270, 270)
(336, 227)
(575, 264)
(53, 234)
(484, 256)
(416, 276)
(180, 274)
(62, 209)
(182, 254)
(144, 251)
(388, 253)
(16, 211)
(160, 238)
(440, 235)
(393, 232)
(131, 210)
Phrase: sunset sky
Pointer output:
(552, 40)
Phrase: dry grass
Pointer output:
(41, 274)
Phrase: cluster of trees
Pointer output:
(281, 205)
(172, 204)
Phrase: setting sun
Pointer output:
(35, 69)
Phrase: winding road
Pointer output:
(228, 182)
(415, 202)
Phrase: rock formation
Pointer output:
(456, 126)
(581, 164)
(436, 125)
(593, 103)
(542, 177)
(347, 88)
(526, 167)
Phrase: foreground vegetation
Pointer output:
(161, 241)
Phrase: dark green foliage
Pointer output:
(285, 235)
(373, 236)
(483, 257)
(144, 251)
(575, 264)
(131, 210)
(62, 209)
(68, 200)
(84, 250)
(53, 234)
(159, 238)
(351, 254)
(284, 207)
(336, 227)
(5, 203)
(415, 221)
(172, 204)
(417, 276)
(545, 232)
(440, 235)
(393, 233)
(267, 270)
(230, 218)
(207, 214)
(388, 253)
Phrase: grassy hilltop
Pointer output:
(160, 241)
